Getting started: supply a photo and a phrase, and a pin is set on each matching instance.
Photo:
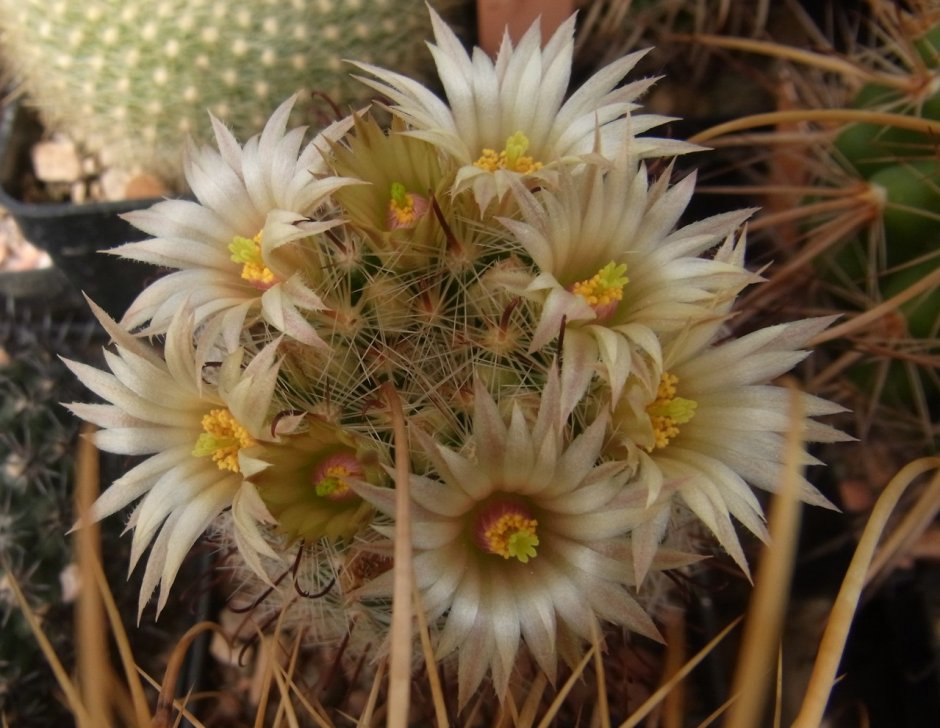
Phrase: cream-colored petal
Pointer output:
(141, 440)
(473, 659)
(190, 525)
(537, 622)
(463, 615)
(503, 615)
(439, 498)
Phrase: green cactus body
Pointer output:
(902, 168)
(912, 208)
(129, 79)
(869, 147)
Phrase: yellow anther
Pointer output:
(404, 208)
(508, 530)
(668, 411)
(512, 157)
(247, 251)
(604, 290)
(222, 438)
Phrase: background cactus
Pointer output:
(850, 200)
(36, 465)
(900, 171)
(38, 439)
(129, 80)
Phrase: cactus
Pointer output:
(902, 170)
(855, 188)
(38, 439)
(129, 80)
(36, 446)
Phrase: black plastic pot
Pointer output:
(72, 234)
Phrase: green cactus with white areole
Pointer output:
(129, 79)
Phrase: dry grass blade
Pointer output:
(508, 715)
(94, 670)
(289, 689)
(284, 678)
(566, 688)
(365, 718)
(285, 706)
(475, 707)
(92, 601)
(833, 116)
(718, 712)
(602, 709)
(399, 674)
(72, 696)
(674, 704)
(843, 610)
(434, 680)
(132, 679)
(912, 526)
(179, 705)
(264, 661)
(533, 698)
(165, 701)
(765, 613)
(778, 690)
(663, 690)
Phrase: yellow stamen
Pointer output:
(222, 438)
(604, 290)
(509, 531)
(404, 208)
(513, 157)
(668, 411)
(247, 251)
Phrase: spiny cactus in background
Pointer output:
(902, 170)
(850, 190)
(129, 79)
(38, 440)
(36, 463)
(692, 84)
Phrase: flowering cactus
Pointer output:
(552, 334)
(129, 80)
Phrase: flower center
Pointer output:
(513, 157)
(507, 529)
(604, 290)
(222, 438)
(330, 478)
(404, 208)
(247, 251)
(668, 411)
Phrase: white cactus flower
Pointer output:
(203, 442)
(510, 119)
(523, 544)
(244, 249)
(716, 427)
(613, 268)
